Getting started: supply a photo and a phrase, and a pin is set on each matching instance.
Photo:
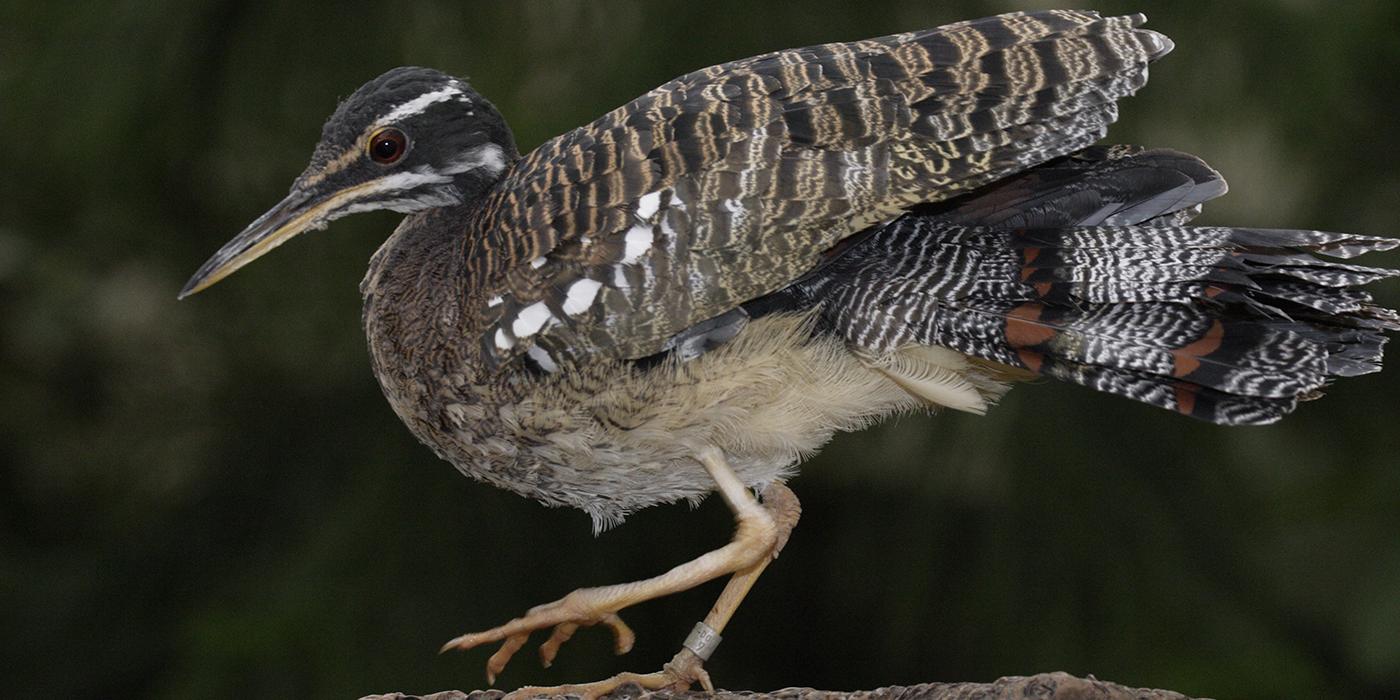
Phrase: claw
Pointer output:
(514, 634)
(498, 660)
(761, 530)
(623, 637)
(473, 639)
(562, 633)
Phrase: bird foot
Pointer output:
(761, 531)
(677, 676)
(565, 615)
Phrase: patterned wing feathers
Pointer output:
(730, 182)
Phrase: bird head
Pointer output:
(409, 140)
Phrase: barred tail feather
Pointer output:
(1081, 270)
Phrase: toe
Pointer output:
(623, 637)
(562, 633)
(498, 660)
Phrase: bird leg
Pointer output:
(687, 666)
(762, 530)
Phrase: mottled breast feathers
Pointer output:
(730, 183)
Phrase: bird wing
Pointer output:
(731, 182)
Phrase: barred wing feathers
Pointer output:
(730, 183)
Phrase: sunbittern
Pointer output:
(700, 287)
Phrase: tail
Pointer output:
(1082, 270)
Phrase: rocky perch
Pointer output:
(1043, 686)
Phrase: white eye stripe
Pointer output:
(487, 156)
(418, 104)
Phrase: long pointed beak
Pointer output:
(286, 220)
(291, 216)
(311, 206)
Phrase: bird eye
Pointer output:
(387, 145)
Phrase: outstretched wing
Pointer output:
(729, 183)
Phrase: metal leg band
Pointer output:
(702, 641)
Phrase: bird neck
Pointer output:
(414, 295)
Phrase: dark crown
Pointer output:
(449, 132)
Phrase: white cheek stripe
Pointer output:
(488, 156)
(581, 296)
(418, 104)
(407, 180)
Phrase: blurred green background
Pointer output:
(212, 499)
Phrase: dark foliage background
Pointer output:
(211, 498)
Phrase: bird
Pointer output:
(695, 291)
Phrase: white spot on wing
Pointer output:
(537, 263)
(648, 204)
(638, 243)
(494, 301)
(419, 103)
(503, 341)
(581, 296)
(541, 356)
(531, 319)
